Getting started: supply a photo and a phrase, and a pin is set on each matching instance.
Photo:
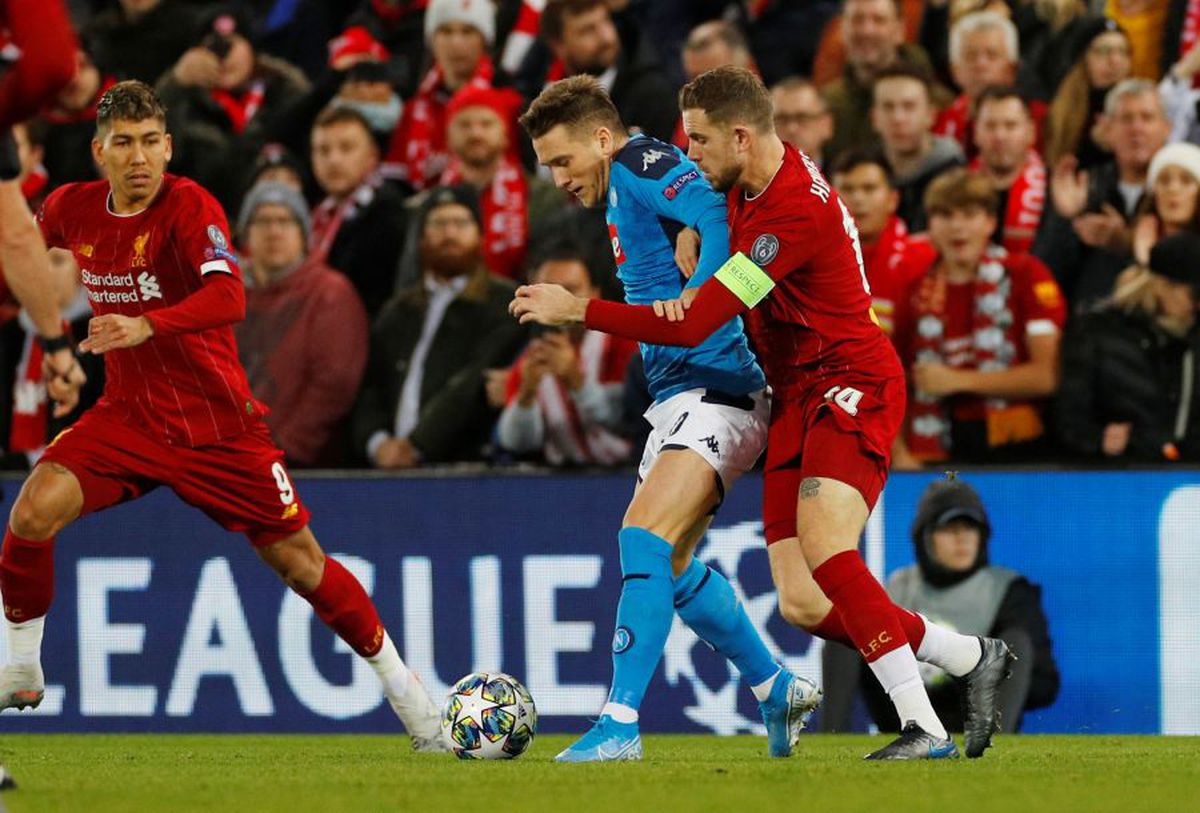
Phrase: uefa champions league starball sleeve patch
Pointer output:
(745, 279)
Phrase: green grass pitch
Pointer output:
(362, 774)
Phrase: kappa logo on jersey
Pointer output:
(618, 254)
(139, 250)
(648, 161)
(764, 249)
(217, 237)
(149, 286)
(679, 183)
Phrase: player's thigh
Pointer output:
(801, 602)
(242, 484)
(676, 494)
(840, 481)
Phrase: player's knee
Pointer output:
(44, 507)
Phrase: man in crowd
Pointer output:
(873, 32)
(902, 112)
(1004, 135)
(801, 117)
(141, 39)
(864, 182)
(1084, 237)
(222, 99)
(565, 392)
(458, 34)
(711, 45)
(359, 227)
(979, 333)
(582, 36)
(304, 339)
(424, 399)
(71, 123)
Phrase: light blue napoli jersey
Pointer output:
(654, 191)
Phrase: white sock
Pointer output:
(763, 690)
(393, 674)
(25, 641)
(897, 673)
(949, 650)
(620, 712)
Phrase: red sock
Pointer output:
(26, 577)
(341, 602)
(867, 614)
(831, 628)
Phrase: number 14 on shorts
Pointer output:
(845, 397)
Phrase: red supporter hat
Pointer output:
(505, 101)
(357, 41)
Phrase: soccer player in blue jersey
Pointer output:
(709, 417)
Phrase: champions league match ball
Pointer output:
(489, 715)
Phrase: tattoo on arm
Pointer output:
(810, 488)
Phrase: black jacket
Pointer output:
(1121, 368)
(145, 48)
(1085, 274)
(476, 334)
(368, 246)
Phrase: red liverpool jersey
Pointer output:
(817, 322)
(188, 387)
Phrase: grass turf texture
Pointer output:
(100, 773)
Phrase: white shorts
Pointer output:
(730, 432)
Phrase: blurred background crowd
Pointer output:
(1024, 175)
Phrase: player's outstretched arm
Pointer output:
(42, 30)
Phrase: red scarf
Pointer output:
(1191, 33)
(523, 35)
(881, 261)
(1026, 200)
(242, 107)
(396, 11)
(993, 347)
(331, 213)
(504, 206)
(417, 153)
(957, 122)
(34, 184)
(30, 408)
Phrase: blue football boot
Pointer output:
(607, 741)
(792, 701)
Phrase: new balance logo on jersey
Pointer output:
(149, 286)
(712, 444)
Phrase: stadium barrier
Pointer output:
(163, 622)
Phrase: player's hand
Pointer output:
(114, 331)
(673, 310)
(1069, 187)
(562, 359)
(1115, 439)
(1104, 230)
(687, 251)
(938, 380)
(64, 378)
(551, 305)
(198, 67)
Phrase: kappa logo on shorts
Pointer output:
(764, 249)
(713, 445)
(622, 640)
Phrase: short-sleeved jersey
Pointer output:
(188, 388)
(654, 192)
(816, 323)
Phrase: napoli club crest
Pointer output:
(217, 238)
(622, 640)
(764, 249)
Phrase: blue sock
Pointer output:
(706, 602)
(644, 614)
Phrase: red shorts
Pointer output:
(842, 430)
(240, 482)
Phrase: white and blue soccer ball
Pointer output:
(489, 715)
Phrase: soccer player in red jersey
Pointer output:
(153, 252)
(797, 276)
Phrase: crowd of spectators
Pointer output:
(1024, 175)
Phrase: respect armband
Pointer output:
(745, 279)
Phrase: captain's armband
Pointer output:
(745, 280)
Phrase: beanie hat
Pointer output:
(357, 41)
(459, 194)
(478, 13)
(1175, 258)
(1180, 154)
(265, 192)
